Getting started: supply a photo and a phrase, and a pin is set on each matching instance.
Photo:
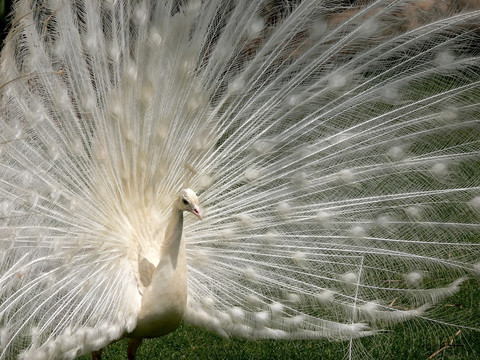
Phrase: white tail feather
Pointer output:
(336, 155)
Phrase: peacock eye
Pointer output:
(185, 201)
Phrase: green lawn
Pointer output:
(192, 343)
(411, 340)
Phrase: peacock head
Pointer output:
(188, 201)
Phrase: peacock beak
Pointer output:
(197, 213)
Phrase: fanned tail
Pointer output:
(343, 188)
(335, 151)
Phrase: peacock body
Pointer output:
(335, 151)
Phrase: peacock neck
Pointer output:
(173, 242)
(164, 300)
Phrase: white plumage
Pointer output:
(335, 151)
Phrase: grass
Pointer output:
(414, 340)
(192, 343)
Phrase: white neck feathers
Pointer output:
(164, 301)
